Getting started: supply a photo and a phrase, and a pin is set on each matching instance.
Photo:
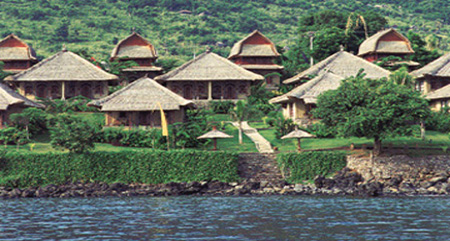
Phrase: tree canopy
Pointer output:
(371, 108)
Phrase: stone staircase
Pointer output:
(257, 167)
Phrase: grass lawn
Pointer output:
(433, 140)
(232, 144)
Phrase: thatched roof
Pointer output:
(141, 95)
(297, 134)
(441, 93)
(343, 64)
(63, 66)
(134, 47)
(309, 91)
(142, 69)
(440, 67)
(214, 134)
(375, 44)
(242, 48)
(209, 67)
(10, 97)
(10, 51)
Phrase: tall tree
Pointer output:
(369, 108)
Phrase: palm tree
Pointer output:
(239, 114)
(354, 21)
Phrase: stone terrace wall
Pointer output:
(383, 168)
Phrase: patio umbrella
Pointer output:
(298, 134)
(214, 135)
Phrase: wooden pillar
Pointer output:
(63, 91)
(209, 90)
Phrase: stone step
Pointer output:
(259, 168)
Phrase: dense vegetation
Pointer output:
(94, 27)
(298, 167)
(24, 170)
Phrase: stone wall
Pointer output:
(428, 174)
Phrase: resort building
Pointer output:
(298, 102)
(433, 80)
(257, 53)
(343, 64)
(210, 77)
(138, 104)
(139, 50)
(16, 54)
(11, 102)
(387, 43)
(62, 76)
(325, 75)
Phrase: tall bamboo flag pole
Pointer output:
(165, 128)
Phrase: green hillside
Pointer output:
(181, 28)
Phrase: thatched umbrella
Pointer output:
(214, 135)
(298, 134)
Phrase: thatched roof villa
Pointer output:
(302, 99)
(433, 80)
(16, 54)
(62, 75)
(11, 102)
(325, 75)
(210, 77)
(137, 104)
(138, 49)
(257, 53)
(386, 43)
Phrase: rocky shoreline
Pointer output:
(345, 182)
(363, 176)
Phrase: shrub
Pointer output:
(282, 125)
(31, 119)
(12, 135)
(221, 107)
(73, 134)
(31, 169)
(438, 121)
(307, 165)
(321, 131)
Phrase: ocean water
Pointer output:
(226, 218)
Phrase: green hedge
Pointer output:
(24, 170)
(307, 165)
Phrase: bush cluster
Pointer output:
(221, 107)
(31, 169)
(307, 165)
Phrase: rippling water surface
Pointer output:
(226, 218)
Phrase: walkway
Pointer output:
(261, 143)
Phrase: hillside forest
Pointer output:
(182, 29)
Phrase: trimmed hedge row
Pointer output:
(307, 165)
(25, 170)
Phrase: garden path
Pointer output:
(261, 143)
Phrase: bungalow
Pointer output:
(138, 104)
(433, 80)
(16, 54)
(298, 102)
(62, 75)
(11, 102)
(325, 75)
(343, 64)
(387, 43)
(257, 53)
(136, 48)
(210, 77)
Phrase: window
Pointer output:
(444, 103)
(28, 89)
(122, 114)
(420, 86)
